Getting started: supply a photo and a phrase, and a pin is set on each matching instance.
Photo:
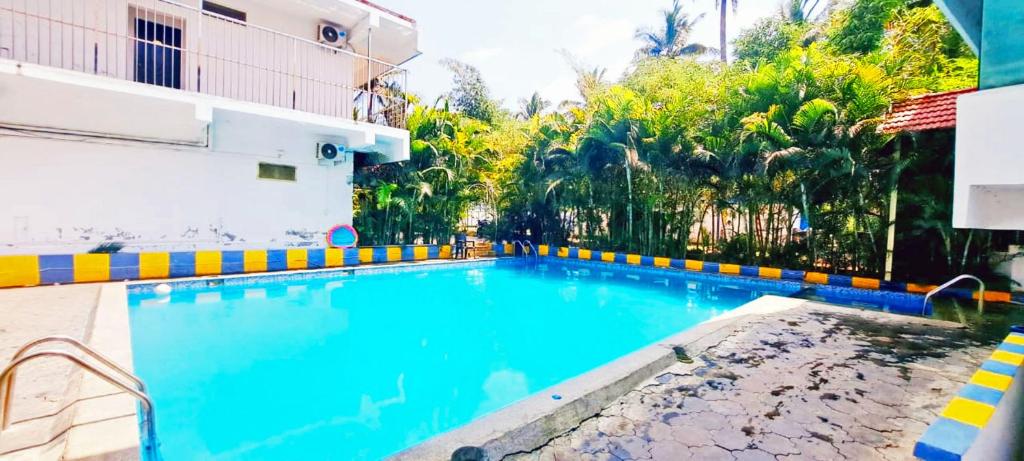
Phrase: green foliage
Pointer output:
(470, 94)
(689, 158)
(767, 39)
(860, 28)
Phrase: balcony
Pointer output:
(178, 46)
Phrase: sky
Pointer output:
(516, 43)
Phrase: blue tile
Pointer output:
(945, 440)
(277, 260)
(380, 254)
(124, 266)
(574, 253)
(647, 261)
(499, 249)
(183, 264)
(892, 286)
(790, 274)
(677, 263)
(999, 367)
(408, 253)
(962, 293)
(981, 394)
(316, 258)
(232, 262)
(710, 267)
(596, 255)
(750, 271)
(56, 269)
(840, 280)
(433, 252)
(350, 256)
(620, 258)
(1015, 348)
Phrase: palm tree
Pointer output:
(722, 40)
(532, 107)
(672, 40)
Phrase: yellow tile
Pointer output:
(729, 269)
(365, 255)
(632, 259)
(769, 272)
(995, 296)
(334, 257)
(509, 248)
(208, 263)
(255, 260)
(394, 253)
(1014, 339)
(608, 256)
(816, 277)
(154, 265)
(92, 268)
(968, 411)
(543, 250)
(584, 254)
(692, 265)
(866, 283)
(563, 252)
(19, 271)
(916, 288)
(993, 380)
(445, 252)
(297, 258)
(662, 262)
(1008, 357)
(419, 252)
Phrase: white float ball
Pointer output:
(162, 289)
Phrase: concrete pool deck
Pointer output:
(776, 378)
(811, 382)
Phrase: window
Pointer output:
(157, 53)
(278, 172)
(224, 11)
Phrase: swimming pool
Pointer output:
(362, 364)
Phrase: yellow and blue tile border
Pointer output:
(33, 270)
(970, 413)
(820, 278)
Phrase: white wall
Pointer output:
(989, 174)
(62, 196)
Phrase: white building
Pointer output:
(989, 176)
(190, 124)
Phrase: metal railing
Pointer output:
(938, 289)
(137, 389)
(175, 45)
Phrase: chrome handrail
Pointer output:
(7, 388)
(520, 243)
(87, 350)
(936, 290)
(533, 251)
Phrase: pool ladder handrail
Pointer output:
(137, 390)
(936, 290)
(533, 251)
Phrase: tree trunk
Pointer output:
(721, 31)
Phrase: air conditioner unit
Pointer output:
(330, 154)
(330, 34)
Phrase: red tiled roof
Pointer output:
(388, 11)
(934, 111)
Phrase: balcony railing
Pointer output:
(174, 45)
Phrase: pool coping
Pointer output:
(533, 421)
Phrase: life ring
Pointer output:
(342, 236)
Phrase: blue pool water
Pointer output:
(361, 365)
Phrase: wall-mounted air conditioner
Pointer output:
(330, 154)
(330, 34)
